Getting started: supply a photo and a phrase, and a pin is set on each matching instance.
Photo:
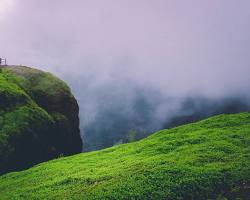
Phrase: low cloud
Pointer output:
(115, 54)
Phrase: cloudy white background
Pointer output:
(178, 48)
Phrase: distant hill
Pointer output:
(38, 118)
(148, 112)
(196, 108)
(209, 159)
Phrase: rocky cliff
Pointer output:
(38, 118)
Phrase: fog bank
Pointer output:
(135, 65)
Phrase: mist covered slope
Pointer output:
(123, 115)
(209, 159)
(38, 118)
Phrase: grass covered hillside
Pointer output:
(34, 124)
(209, 159)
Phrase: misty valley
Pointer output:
(187, 158)
(127, 121)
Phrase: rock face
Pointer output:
(38, 118)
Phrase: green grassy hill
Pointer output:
(205, 160)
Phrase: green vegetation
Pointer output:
(29, 122)
(209, 159)
(35, 81)
(21, 122)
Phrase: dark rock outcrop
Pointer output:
(38, 118)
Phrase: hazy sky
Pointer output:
(179, 46)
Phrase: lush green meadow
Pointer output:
(209, 159)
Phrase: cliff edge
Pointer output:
(38, 118)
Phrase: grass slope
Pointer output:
(209, 159)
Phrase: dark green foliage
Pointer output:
(29, 131)
(54, 96)
(205, 160)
